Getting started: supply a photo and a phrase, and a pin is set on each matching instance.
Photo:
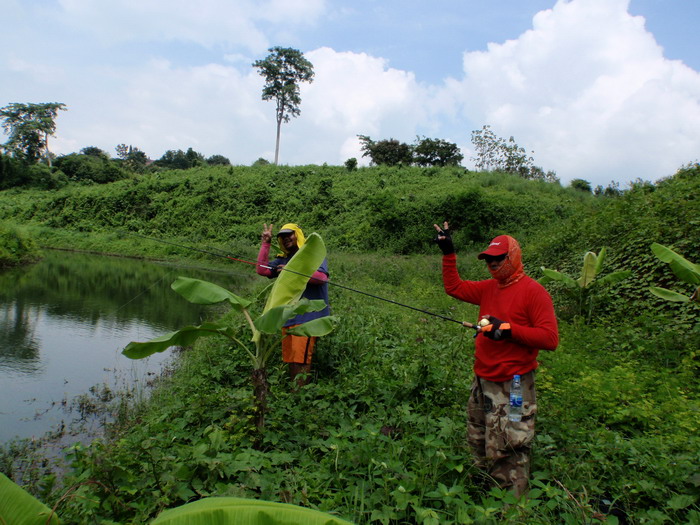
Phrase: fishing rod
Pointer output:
(255, 263)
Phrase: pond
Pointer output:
(64, 322)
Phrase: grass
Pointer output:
(379, 436)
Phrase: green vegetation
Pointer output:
(379, 435)
(585, 286)
(16, 246)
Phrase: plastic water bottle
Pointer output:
(515, 410)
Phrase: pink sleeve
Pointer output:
(263, 256)
(318, 278)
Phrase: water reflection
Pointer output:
(65, 320)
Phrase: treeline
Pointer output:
(94, 165)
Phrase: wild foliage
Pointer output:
(16, 246)
(386, 209)
(379, 435)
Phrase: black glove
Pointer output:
(444, 242)
(497, 330)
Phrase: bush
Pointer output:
(92, 168)
(16, 247)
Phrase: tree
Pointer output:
(180, 160)
(487, 146)
(94, 151)
(581, 185)
(436, 152)
(218, 160)
(388, 152)
(284, 69)
(260, 162)
(29, 127)
(90, 167)
(497, 154)
(132, 158)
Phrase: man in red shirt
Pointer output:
(521, 322)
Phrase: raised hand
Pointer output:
(443, 238)
(266, 235)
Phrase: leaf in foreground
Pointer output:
(183, 337)
(221, 511)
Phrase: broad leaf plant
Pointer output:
(283, 303)
(682, 268)
(586, 285)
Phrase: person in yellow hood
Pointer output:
(296, 350)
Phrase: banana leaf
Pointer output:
(292, 281)
(553, 275)
(183, 337)
(600, 260)
(614, 277)
(681, 267)
(315, 328)
(19, 507)
(588, 271)
(274, 319)
(203, 292)
(669, 295)
(241, 511)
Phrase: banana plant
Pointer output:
(685, 270)
(283, 303)
(19, 506)
(240, 510)
(584, 287)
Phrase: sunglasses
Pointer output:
(494, 258)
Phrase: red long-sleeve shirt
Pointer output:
(528, 308)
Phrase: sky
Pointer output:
(601, 90)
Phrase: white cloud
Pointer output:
(208, 23)
(218, 109)
(589, 91)
(587, 88)
(354, 94)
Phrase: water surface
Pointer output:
(65, 320)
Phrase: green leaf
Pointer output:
(272, 321)
(316, 327)
(588, 271)
(292, 281)
(685, 272)
(554, 275)
(183, 337)
(20, 507)
(204, 292)
(687, 269)
(614, 277)
(681, 501)
(601, 259)
(225, 510)
(669, 295)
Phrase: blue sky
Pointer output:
(604, 90)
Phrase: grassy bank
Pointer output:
(17, 246)
(379, 436)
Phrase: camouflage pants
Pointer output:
(502, 447)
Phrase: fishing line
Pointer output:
(246, 261)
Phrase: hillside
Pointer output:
(379, 436)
